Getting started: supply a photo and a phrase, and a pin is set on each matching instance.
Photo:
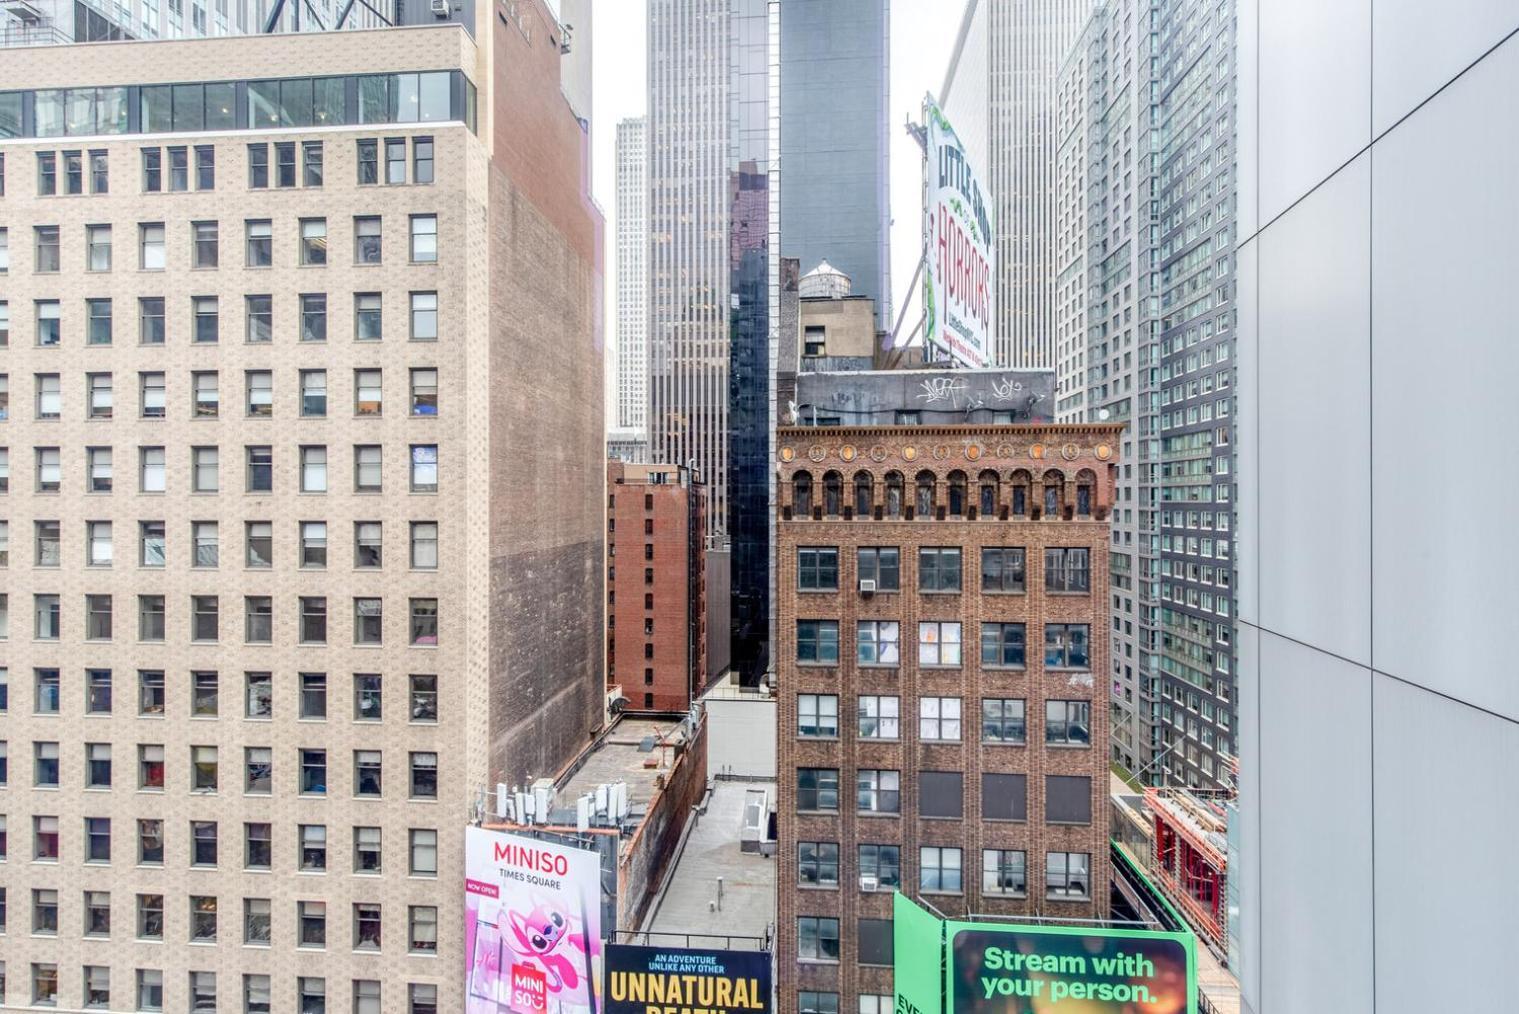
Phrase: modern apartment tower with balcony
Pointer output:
(288, 568)
(923, 745)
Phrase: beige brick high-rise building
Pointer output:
(298, 378)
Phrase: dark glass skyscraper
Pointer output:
(835, 204)
(713, 265)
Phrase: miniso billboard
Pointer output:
(532, 925)
(959, 280)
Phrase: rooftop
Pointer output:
(631, 753)
(688, 903)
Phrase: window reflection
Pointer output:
(420, 97)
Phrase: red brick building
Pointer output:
(656, 585)
(942, 651)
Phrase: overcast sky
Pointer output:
(922, 37)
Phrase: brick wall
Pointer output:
(1064, 451)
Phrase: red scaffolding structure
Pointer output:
(1191, 857)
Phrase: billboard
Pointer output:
(959, 283)
(532, 925)
(676, 980)
(1010, 968)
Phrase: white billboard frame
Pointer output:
(959, 250)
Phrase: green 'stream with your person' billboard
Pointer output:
(1004, 968)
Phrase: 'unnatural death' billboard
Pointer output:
(959, 279)
(1008, 968)
(684, 980)
(532, 925)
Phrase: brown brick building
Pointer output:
(656, 612)
(923, 745)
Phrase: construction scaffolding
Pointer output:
(1191, 860)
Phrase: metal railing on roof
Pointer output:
(45, 33)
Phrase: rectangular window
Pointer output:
(1067, 875)
(49, 396)
(368, 392)
(152, 170)
(424, 852)
(150, 320)
(313, 698)
(878, 791)
(284, 164)
(818, 940)
(313, 393)
(258, 166)
(368, 544)
(1004, 796)
(207, 394)
(1002, 644)
(205, 248)
(939, 569)
(369, 161)
(97, 241)
(424, 316)
(97, 698)
(314, 241)
(205, 618)
(1002, 569)
(1068, 723)
(151, 396)
(810, 1002)
(424, 468)
(47, 173)
(367, 773)
(1067, 799)
(367, 240)
(259, 313)
(204, 470)
(817, 568)
(424, 392)
(1002, 721)
(939, 869)
(421, 160)
(1067, 570)
(367, 317)
(313, 544)
(152, 254)
(49, 255)
(423, 625)
(257, 932)
(313, 317)
(818, 863)
(938, 643)
(259, 695)
(49, 323)
(368, 858)
(258, 619)
(99, 462)
(311, 916)
(941, 794)
(314, 772)
(100, 400)
(877, 642)
(367, 697)
(260, 237)
(312, 163)
(206, 318)
(312, 840)
(313, 469)
(424, 545)
(49, 470)
(879, 717)
(883, 565)
(202, 926)
(422, 925)
(424, 239)
(939, 719)
(367, 468)
(205, 167)
(1004, 872)
(395, 160)
(1066, 645)
(817, 789)
(817, 715)
(260, 469)
(880, 867)
(817, 641)
(203, 768)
